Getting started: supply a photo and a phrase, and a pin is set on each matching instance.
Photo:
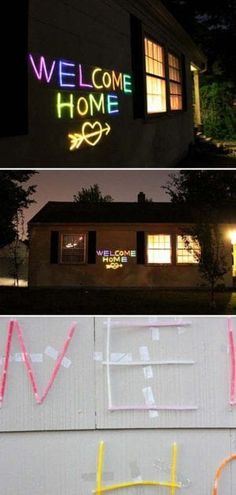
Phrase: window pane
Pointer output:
(176, 99)
(156, 94)
(155, 77)
(159, 249)
(185, 254)
(73, 248)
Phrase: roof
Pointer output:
(79, 213)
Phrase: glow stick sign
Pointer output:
(82, 93)
(117, 258)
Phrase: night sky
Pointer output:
(122, 185)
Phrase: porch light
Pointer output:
(232, 236)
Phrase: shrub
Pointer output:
(218, 111)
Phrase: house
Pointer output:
(14, 264)
(119, 245)
(109, 83)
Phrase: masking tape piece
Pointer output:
(148, 396)
(153, 414)
(53, 353)
(98, 356)
(155, 333)
(148, 372)
(121, 357)
(144, 353)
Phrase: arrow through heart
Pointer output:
(90, 134)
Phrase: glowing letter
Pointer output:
(98, 105)
(106, 80)
(127, 83)
(219, 472)
(117, 80)
(173, 484)
(81, 83)
(61, 105)
(96, 85)
(112, 104)
(63, 74)
(42, 69)
(82, 101)
(14, 326)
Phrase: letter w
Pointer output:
(42, 68)
(14, 326)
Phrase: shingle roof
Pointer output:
(70, 212)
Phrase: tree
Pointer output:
(209, 252)
(14, 196)
(91, 194)
(16, 259)
(203, 191)
(212, 25)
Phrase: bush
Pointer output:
(218, 112)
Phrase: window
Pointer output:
(175, 78)
(155, 77)
(159, 249)
(185, 254)
(73, 248)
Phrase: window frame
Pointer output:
(181, 83)
(167, 50)
(153, 115)
(171, 249)
(186, 263)
(84, 262)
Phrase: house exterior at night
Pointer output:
(109, 83)
(118, 245)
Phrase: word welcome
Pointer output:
(71, 75)
(116, 259)
(15, 327)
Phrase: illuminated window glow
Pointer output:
(73, 248)
(186, 254)
(155, 77)
(159, 249)
(175, 77)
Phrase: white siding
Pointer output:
(38, 453)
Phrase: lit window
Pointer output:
(73, 248)
(175, 77)
(186, 250)
(159, 249)
(155, 77)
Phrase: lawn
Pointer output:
(59, 301)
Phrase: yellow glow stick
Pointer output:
(173, 484)
(100, 468)
(173, 468)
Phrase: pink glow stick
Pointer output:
(27, 362)
(14, 325)
(152, 408)
(6, 360)
(58, 361)
(232, 362)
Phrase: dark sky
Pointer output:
(122, 185)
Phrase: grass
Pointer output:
(59, 301)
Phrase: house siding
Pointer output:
(58, 440)
(98, 34)
(110, 237)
